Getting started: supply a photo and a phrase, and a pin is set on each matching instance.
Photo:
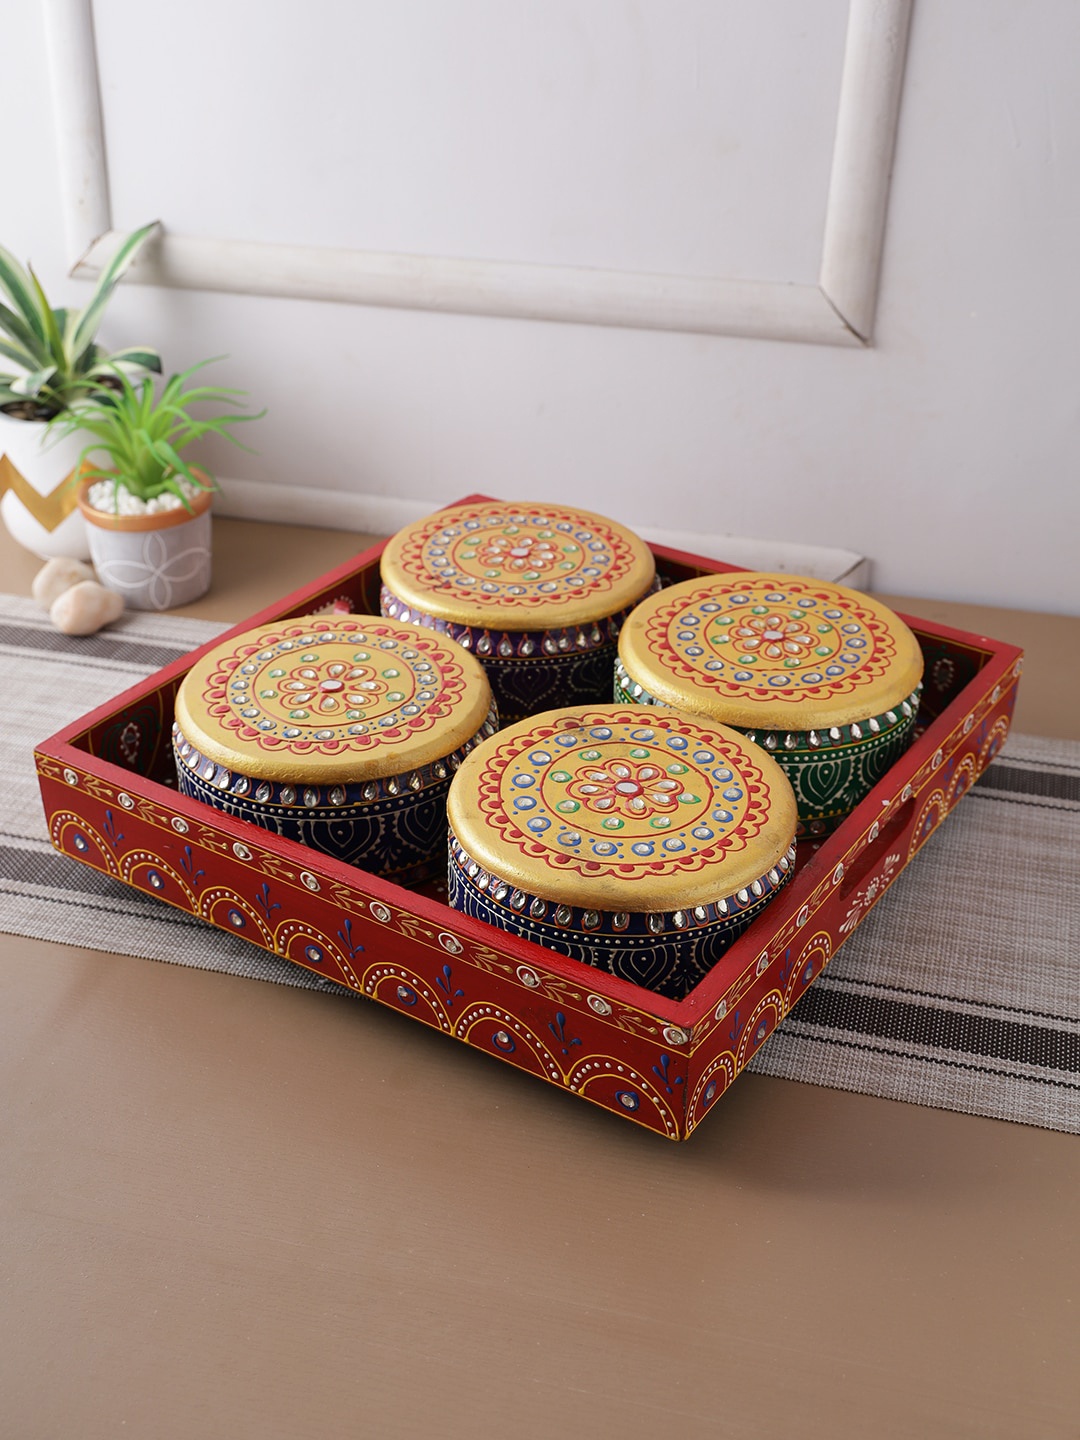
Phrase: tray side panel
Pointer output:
(776, 961)
(459, 977)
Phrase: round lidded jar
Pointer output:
(640, 841)
(823, 677)
(341, 732)
(538, 592)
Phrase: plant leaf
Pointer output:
(177, 462)
(32, 384)
(16, 284)
(7, 395)
(143, 432)
(53, 338)
(21, 358)
(95, 308)
(138, 357)
(163, 452)
(16, 327)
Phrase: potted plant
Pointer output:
(50, 359)
(147, 509)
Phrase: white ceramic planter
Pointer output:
(157, 561)
(40, 463)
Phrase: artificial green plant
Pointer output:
(139, 435)
(57, 358)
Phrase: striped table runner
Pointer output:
(961, 990)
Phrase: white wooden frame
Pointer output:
(839, 310)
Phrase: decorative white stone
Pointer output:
(85, 608)
(60, 574)
(113, 499)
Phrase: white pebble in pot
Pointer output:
(85, 608)
(58, 575)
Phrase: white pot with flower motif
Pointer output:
(39, 485)
(156, 560)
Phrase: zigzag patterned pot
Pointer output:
(39, 485)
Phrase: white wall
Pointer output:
(687, 137)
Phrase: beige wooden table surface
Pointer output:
(230, 1209)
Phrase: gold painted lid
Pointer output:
(332, 698)
(770, 651)
(517, 565)
(622, 808)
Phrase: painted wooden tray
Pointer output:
(660, 1063)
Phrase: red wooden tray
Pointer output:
(109, 790)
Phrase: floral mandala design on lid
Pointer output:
(356, 686)
(760, 641)
(496, 553)
(467, 560)
(519, 554)
(636, 789)
(775, 636)
(608, 793)
(332, 679)
(782, 634)
(330, 687)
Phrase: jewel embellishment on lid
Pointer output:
(774, 637)
(636, 790)
(822, 643)
(624, 796)
(786, 644)
(524, 556)
(512, 553)
(336, 678)
(620, 809)
(328, 691)
(476, 558)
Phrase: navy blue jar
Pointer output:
(341, 732)
(636, 840)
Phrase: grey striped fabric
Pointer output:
(961, 989)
